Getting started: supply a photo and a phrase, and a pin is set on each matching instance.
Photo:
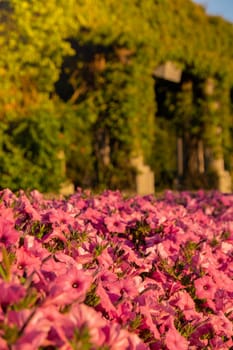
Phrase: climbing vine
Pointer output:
(88, 65)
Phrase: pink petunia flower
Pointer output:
(217, 343)
(116, 338)
(183, 300)
(115, 223)
(7, 197)
(135, 343)
(34, 247)
(199, 337)
(174, 340)
(10, 293)
(3, 344)
(25, 262)
(205, 287)
(107, 300)
(70, 287)
(221, 324)
(82, 315)
(25, 206)
(7, 214)
(35, 328)
(8, 234)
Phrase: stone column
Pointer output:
(144, 176)
(180, 156)
(200, 155)
(214, 137)
(67, 187)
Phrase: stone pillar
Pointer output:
(200, 155)
(180, 160)
(224, 177)
(214, 138)
(168, 71)
(144, 177)
(67, 187)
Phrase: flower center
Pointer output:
(206, 287)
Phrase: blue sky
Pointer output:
(218, 7)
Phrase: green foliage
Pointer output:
(33, 39)
(81, 339)
(92, 299)
(11, 333)
(29, 152)
(76, 122)
(164, 158)
(98, 56)
(99, 81)
(5, 265)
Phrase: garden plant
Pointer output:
(105, 271)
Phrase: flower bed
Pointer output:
(104, 272)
